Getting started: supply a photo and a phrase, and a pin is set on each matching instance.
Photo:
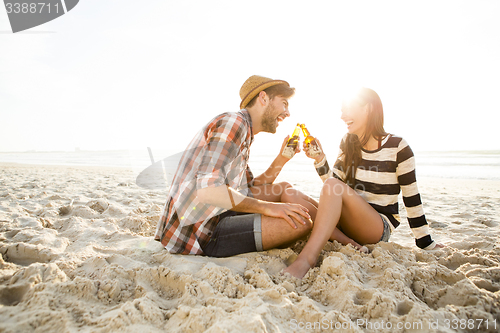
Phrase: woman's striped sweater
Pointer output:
(380, 177)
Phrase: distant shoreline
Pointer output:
(487, 151)
(479, 164)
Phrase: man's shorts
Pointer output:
(235, 233)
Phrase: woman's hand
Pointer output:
(287, 211)
(318, 158)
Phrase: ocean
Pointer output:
(442, 164)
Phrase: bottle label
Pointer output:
(288, 152)
(314, 150)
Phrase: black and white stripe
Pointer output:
(380, 177)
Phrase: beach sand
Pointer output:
(96, 268)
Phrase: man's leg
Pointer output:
(238, 233)
(277, 232)
(270, 192)
(284, 192)
(293, 195)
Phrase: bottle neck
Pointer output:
(306, 132)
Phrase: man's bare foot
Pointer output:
(298, 268)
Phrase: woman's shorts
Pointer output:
(386, 234)
(235, 233)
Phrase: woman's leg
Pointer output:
(338, 202)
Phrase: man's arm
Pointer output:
(269, 176)
(228, 198)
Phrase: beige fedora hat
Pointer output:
(254, 85)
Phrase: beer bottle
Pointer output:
(310, 142)
(292, 143)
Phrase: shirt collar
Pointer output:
(247, 116)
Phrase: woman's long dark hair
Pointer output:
(351, 146)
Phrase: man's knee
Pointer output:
(303, 229)
(291, 194)
(308, 226)
(285, 186)
(281, 190)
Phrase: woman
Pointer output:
(360, 195)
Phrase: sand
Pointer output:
(94, 267)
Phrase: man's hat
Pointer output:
(254, 85)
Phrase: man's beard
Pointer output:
(268, 121)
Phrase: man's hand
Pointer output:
(287, 211)
(318, 158)
(286, 159)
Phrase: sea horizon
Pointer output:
(466, 164)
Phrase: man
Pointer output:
(215, 205)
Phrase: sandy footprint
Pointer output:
(13, 291)
(26, 254)
(12, 295)
(485, 278)
(99, 205)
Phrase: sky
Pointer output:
(114, 74)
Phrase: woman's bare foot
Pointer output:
(364, 249)
(298, 268)
(340, 237)
(360, 248)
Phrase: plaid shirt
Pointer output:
(217, 156)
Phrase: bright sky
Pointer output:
(126, 74)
